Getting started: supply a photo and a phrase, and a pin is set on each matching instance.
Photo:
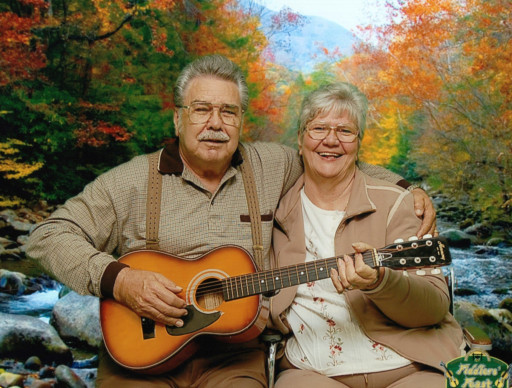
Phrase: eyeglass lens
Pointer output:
(200, 112)
(343, 133)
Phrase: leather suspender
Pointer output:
(154, 197)
(254, 209)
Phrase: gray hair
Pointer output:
(339, 96)
(216, 66)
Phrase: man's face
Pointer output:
(210, 145)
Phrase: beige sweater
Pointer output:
(406, 313)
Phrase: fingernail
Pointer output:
(179, 323)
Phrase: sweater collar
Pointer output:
(289, 212)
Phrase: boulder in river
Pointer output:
(76, 318)
(22, 336)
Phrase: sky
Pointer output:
(347, 13)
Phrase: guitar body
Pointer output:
(143, 345)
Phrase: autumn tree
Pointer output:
(85, 85)
(21, 58)
(437, 84)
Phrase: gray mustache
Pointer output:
(213, 135)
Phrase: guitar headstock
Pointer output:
(427, 252)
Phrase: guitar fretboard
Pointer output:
(410, 255)
(267, 281)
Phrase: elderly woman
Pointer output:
(363, 327)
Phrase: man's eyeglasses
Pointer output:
(200, 113)
(344, 133)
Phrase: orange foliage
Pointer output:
(223, 27)
(97, 134)
(21, 54)
(442, 70)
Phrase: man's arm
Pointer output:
(423, 206)
(76, 244)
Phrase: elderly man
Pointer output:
(201, 205)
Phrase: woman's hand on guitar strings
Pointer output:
(354, 273)
(150, 295)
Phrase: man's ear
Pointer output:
(176, 120)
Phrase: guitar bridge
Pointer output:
(148, 328)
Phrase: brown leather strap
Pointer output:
(254, 209)
(154, 198)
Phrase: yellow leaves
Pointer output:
(461, 157)
(9, 166)
(15, 170)
(103, 16)
(7, 148)
(9, 202)
(381, 139)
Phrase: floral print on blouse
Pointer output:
(327, 337)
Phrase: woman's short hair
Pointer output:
(211, 65)
(339, 96)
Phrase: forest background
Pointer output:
(87, 84)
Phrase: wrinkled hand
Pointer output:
(424, 209)
(355, 274)
(150, 295)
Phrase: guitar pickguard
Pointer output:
(195, 320)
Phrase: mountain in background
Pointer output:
(302, 48)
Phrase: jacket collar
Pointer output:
(289, 213)
(170, 160)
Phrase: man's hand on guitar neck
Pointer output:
(150, 295)
(424, 209)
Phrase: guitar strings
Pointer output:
(252, 283)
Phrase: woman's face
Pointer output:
(329, 158)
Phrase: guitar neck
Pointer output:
(273, 280)
(419, 254)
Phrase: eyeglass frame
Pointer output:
(308, 129)
(208, 117)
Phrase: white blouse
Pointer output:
(327, 337)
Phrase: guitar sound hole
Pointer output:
(209, 294)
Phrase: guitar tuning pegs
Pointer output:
(427, 236)
(399, 240)
(435, 271)
(420, 272)
(413, 238)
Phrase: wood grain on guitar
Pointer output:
(224, 298)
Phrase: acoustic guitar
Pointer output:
(224, 295)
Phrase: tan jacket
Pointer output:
(406, 313)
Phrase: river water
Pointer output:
(488, 274)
